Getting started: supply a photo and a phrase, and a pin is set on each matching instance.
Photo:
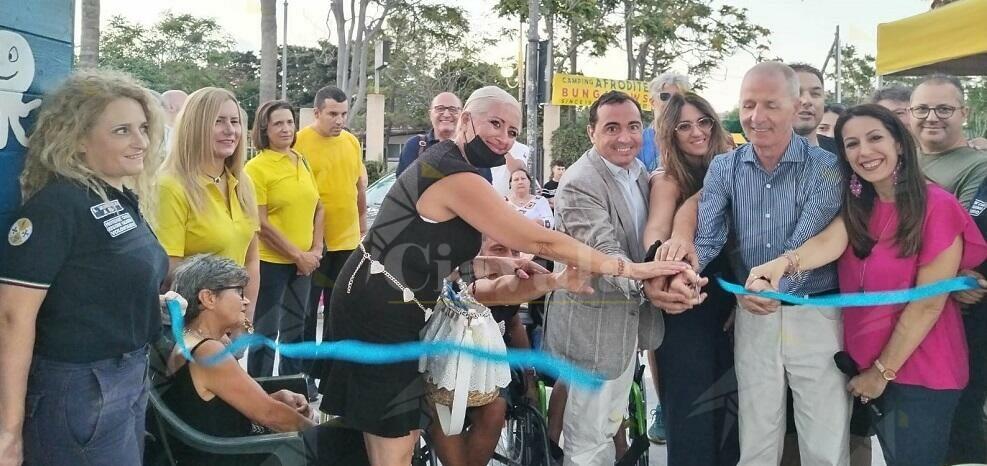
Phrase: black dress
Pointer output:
(214, 417)
(388, 400)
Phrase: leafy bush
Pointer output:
(570, 141)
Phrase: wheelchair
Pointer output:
(637, 453)
(523, 440)
(327, 443)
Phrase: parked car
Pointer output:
(376, 193)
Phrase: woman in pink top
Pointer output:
(895, 232)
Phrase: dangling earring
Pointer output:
(894, 174)
(855, 187)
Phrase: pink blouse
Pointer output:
(940, 361)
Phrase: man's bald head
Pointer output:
(443, 114)
(173, 102)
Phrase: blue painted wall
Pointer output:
(35, 56)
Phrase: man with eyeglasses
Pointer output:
(444, 115)
(938, 112)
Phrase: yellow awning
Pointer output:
(951, 39)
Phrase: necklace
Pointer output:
(216, 179)
(880, 236)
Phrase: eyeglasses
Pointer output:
(704, 123)
(942, 111)
(237, 288)
(452, 110)
(664, 96)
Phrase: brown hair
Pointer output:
(909, 191)
(263, 118)
(673, 159)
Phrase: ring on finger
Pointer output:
(864, 399)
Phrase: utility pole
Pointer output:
(531, 90)
(839, 68)
(284, 56)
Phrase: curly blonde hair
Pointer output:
(67, 116)
(191, 148)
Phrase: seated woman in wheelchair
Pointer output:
(220, 399)
(503, 294)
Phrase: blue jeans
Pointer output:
(914, 429)
(279, 315)
(86, 414)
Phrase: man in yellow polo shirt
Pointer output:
(337, 163)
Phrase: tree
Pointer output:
(89, 39)
(570, 140)
(438, 59)
(858, 75)
(309, 69)
(268, 50)
(586, 26)
(662, 33)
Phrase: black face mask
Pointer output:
(479, 154)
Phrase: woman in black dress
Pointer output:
(696, 356)
(429, 224)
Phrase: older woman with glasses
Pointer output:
(220, 398)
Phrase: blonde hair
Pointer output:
(191, 148)
(481, 99)
(67, 116)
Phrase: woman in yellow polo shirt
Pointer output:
(206, 204)
(291, 226)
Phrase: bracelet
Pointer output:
(620, 267)
(466, 271)
(794, 268)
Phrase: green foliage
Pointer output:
(731, 121)
(581, 26)
(570, 141)
(188, 53)
(693, 33)
(442, 57)
(859, 75)
(375, 170)
(309, 69)
(976, 100)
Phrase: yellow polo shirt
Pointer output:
(287, 189)
(337, 163)
(220, 228)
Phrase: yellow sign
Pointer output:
(573, 89)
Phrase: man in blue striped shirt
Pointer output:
(771, 196)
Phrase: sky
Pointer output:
(802, 30)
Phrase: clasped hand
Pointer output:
(677, 293)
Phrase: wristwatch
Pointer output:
(888, 374)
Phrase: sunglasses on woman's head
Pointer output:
(664, 96)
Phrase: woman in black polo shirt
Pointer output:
(79, 279)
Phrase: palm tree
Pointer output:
(89, 42)
(268, 50)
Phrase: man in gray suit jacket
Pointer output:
(602, 201)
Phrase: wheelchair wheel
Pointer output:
(423, 454)
(524, 440)
(637, 426)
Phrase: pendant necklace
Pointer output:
(863, 270)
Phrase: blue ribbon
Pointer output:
(876, 298)
(372, 353)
